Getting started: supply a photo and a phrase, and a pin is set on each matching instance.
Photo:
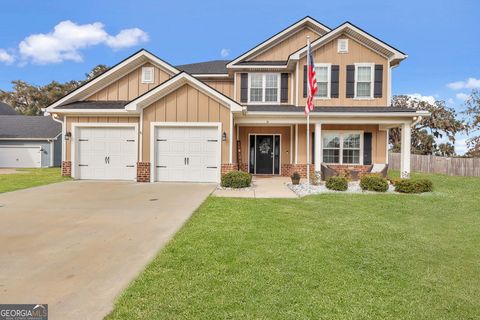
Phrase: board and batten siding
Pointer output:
(357, 53)
(186, 104)
(282, 50)
(129, 86)
(223, 86)
(69, 120)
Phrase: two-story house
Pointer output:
(147, 120)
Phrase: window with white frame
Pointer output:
(342, 147)
(264, 87)
(148, 75)
(364, 81)
(322, 75)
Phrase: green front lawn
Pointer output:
(331, 256)
(26, 178)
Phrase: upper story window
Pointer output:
(364, 81)
(322, 75)
(342, 45)
(148, 75)
(264, 87)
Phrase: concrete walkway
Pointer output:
(262, 187)
(75, 245)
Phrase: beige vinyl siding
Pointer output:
(357, 53)
(282, 50)
(186, 104)
(223, 86)
(69, 120)
(284, 131)
(130, 86)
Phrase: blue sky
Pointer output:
(440, 37)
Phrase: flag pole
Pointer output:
(308, 119)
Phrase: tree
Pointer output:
(29, 99)
(446, 150)
(473, 113)
(442, 122)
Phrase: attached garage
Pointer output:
(104, 152)
(186, 153)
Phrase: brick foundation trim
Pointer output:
(66, 168)
(288, 169)
(228, 167)
(143, 171)
(346, 170)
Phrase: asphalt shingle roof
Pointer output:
(292, 108)
(208, 67)
(6, 110)
(94, 105)
(29, 127)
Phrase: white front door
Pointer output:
(187, 154)
(20, 156)
(106, 153)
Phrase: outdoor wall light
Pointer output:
(68, 135)
(224, 136)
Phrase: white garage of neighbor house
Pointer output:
(29, 142)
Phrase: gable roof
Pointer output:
(358, 34)
(207, 67)
(307, 21)
(174, 83)
(114, 73)
(29, 127)
(6, 110)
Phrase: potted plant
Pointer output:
(295, 178)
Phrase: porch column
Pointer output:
(405, 151)
(318, 146)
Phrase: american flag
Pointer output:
(311, 80)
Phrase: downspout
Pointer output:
(54, 117)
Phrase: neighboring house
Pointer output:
(147, 120)
(30, 142)
(6, 110)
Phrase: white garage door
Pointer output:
(106, 153)
(187, 154)
(20, 157)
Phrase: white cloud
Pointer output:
(127, 38)
(6, 57)
(470, 83)
(462, 96)
(224, 52)
(460, 146)
(67, 38)
(429, 99)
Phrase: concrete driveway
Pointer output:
(76, 245)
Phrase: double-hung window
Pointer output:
(264, 87)
(364, 81)
(322, 75)
(342, 147)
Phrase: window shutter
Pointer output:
(377, 89)
(284, 87)
(367, 148)
(334, 81)
(305, 81)
(350, 81)
(244, 87)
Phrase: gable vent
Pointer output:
(148, 75)
(342, 45)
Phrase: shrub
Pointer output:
(414, 186)
(373, 182)
(236, 179)
(295, 176)
(337, 183)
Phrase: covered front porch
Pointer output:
(355, 145)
